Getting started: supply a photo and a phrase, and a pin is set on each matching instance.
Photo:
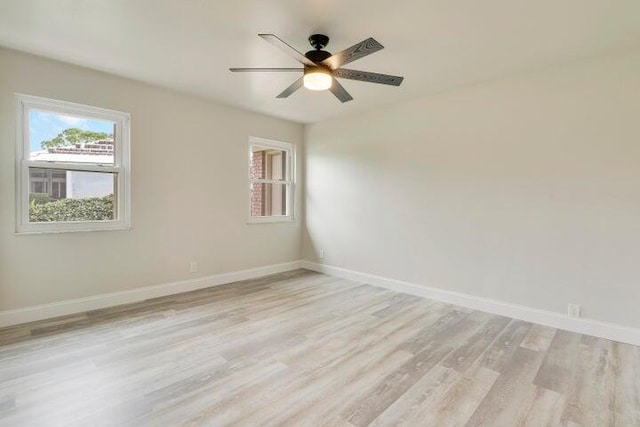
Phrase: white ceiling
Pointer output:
(435, 44)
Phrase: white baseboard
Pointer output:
(543, 317)
(79, 305)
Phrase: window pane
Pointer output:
(269, 199)
(268, 163)
(56, 137)
(65, 195)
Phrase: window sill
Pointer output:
(270, 219)
(75, 228)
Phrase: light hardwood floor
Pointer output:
(302, 348)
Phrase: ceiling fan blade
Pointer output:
(357, 51)
(340, 92)
(286, 48)
(265, 70)
(294, 87)
(365, 76)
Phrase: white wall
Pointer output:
(524, 190)
(190, 184)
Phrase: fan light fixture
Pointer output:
(317, 79)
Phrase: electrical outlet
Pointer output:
(573, 311)
(193, 266)
(321, 254)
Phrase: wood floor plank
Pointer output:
(305, 349)
(317, 397)
(557, 370)
(465, 354)
(459, 402)
(397, 305)
(172, 407)
(545, 409)
(627, 383)
(453, 326)
(509, 394)
(7, 403)
(500, 352)
(428, 389)
(391, 387)
(539, 338)
(591, 393)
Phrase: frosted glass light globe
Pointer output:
(317, 80)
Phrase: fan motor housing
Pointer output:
(317, 55)
(317, 68)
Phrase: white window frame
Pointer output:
(121, 165)
(289, 180)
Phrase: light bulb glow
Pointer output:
(317, 80)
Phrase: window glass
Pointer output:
(268, 199)
(70, 195)
(268, 163)
(57, 137)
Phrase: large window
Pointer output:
(73, 167)
(271, 172)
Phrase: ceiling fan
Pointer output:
(321, 68)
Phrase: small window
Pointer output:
(271, 172)
(74, 167)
